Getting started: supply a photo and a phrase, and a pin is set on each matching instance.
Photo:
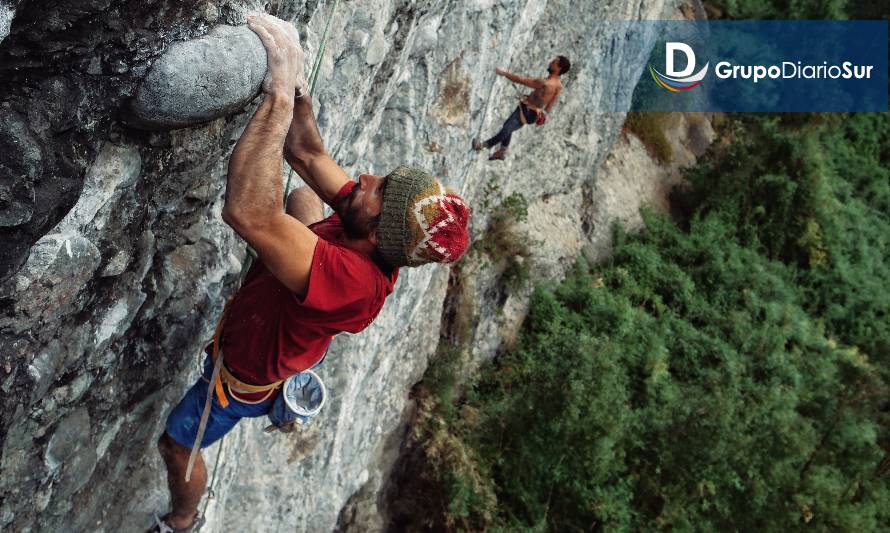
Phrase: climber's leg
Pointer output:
(503, 137)
(184, 496)
(304, 205)
(180, 433)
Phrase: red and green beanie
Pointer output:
(421, 221)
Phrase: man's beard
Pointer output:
(354, 225)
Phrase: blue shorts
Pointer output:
(182, 424)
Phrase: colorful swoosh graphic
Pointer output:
(678, 84)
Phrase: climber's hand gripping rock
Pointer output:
(285, 58)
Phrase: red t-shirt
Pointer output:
(271, 334)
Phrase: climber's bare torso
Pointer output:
(545, 90)
(544, 95)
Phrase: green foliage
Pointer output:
(441, 378)
(649, 128)
(502, 239)
(726, 373)
(815, 195)
(684, 388)
(503, 244)
(515, 206)
(490, 191)
(783, 9)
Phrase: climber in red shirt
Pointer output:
(314, 277)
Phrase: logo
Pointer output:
(754, 65)
(676, 81)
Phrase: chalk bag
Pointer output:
(302, 397)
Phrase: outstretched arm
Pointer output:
(254, 188)
(534, 83)
(306, 154)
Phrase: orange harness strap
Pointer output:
(228, 377)
(245, 388)
(217, 335)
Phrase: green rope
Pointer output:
(251, 253)
(313, 77)
(324, 41)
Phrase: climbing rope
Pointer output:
(487, 105)
(321, 48)
(248, 259)
(313, 77)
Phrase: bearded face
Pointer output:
(356, 222)
(553, 67)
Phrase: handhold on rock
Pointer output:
(200, 80)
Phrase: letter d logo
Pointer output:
(670, 50)
(675, 81)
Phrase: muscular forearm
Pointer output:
(303, 143)
(305, 153)
(303, 139)
(254, 190)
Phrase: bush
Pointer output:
(816, 197)
(649, 129)
(789, 9)
(504, 244)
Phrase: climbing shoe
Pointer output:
(498, 155)
(161, 526)
(478, 146)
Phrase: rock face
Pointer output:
(116, 264)
(199, 80)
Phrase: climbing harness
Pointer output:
(215, 383)
(218, 367)
(523, 101)
(539, 112)
(220, 375)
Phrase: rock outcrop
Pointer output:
(201, 79)
(116, 264)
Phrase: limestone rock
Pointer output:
(7, 13)
(71, 453)
(21, 164)
(202, 79)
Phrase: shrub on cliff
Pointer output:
(812, 192)
(688, 392)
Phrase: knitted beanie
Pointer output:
(420, 220)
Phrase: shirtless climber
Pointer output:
(315, 277)
(532, 109)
